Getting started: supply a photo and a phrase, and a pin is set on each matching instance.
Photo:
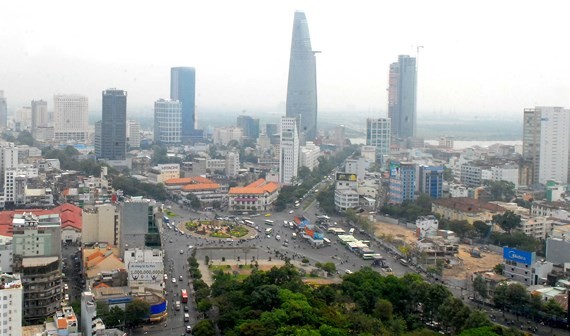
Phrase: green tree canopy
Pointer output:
(507, 221)
(136, 313)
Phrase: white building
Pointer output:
(133, 134)
(23, 118)
(289, 150)
(558, 210)
(11, 293)
(356, 166)
(145, 267)
(232, 164)
(164, 172)
(379, 134)
(309, 155)
(167, 121)
(426, 226)
(101, 224)
(222, 136)
(70, 117)
(446, 142)
(346, 192)
(90, 323)
(368, 153)
(509, 173)
(537, 227)
(457, 190)
(39, 114)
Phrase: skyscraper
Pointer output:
(289, 153)
(133, 134)
(113, 130)
(302, 84)
(167, 122)
(378, 135)
(249, 125)
(3, 111)
(546, 137)
(70, 115)
(402, 97)
(183, 89)
(402, 183)
(39, 113)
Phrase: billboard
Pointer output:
(518, 256)
(146, 271)
(346, 177)
(395, 169)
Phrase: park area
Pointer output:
(217, 228)
(398, 235)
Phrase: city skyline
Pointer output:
(469, 69)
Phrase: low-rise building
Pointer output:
(522, 266)
(467, 209)
(64, 323)
(145, 267)
(309, 155)
(257, 196)
(121, 296)
(426, 226)
(537, 227)
(492, 280)
(558, 210)
(102, 265)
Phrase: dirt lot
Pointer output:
(467, 264)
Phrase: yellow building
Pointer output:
(468, 209)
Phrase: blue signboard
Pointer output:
(158, 308)
(318, 236)
(125, 299)
(519, 256)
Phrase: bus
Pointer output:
(184, 295)
(268, 231)
(268, 222)
(249, 222)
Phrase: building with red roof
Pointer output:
(257, 196)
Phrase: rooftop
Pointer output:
(259, 187)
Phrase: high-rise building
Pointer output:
(39, 114)
(183, 89)
(71, 117)
(402, 183)
(167, 122)
(302, 83)
(37, 256)
(23, 118)
(113, 138)
(402, 97)
(249, 125)
(3, 111)
(289, 150)
(11, 293)
(133, 134)
(378, 134)
(431, 181)
(546, 136)
(138, 225)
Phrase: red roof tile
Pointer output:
(70, 215)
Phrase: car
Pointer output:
(188, 329)
(267, 215)
(170, 241)
(186, 309)
(190, 247)
(166, 277)
(181, 278)
(291, 211)
(278, 237)
(181, 251)
(65, 286)
(348, 271)
(66, 297)
(173, 280)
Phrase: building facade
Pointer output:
(309, 155)
(39, 114)
(379, 134)
(431, 181)
(257, 196)
(183, 89)
(289, 150)
(249, 125)
(133, 134)
(302, 83)
(70, 118)
(101, 224)
(3, 110)
(138, 227)
(113, 129)
(11, 295)
(402, 97)
(402, 183)
(167, 122)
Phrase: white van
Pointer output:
(186, 317)
(351, 231)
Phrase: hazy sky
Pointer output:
(487, 57)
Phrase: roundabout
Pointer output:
(218, 229)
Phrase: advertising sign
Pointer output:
(309, 232)
(394, 169)
(345, 177)
(318, 236)
(519, 256)
(146, 271)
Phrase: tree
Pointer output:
(136, 313)
(554, 308)
(452, 313)
(329, 267)
(480, 287)
(204, 305)
(481, 228)
(383, 310)
(507, 221)
(25, 138)
(204, 328)
(477, 319)
(194, 201)
(448, 174)
(501, 190)
(424, 201)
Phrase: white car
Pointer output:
(181, 251)
(65, 286)
(291, 211)
(166, 277)
(173, 280)
(66, 298)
